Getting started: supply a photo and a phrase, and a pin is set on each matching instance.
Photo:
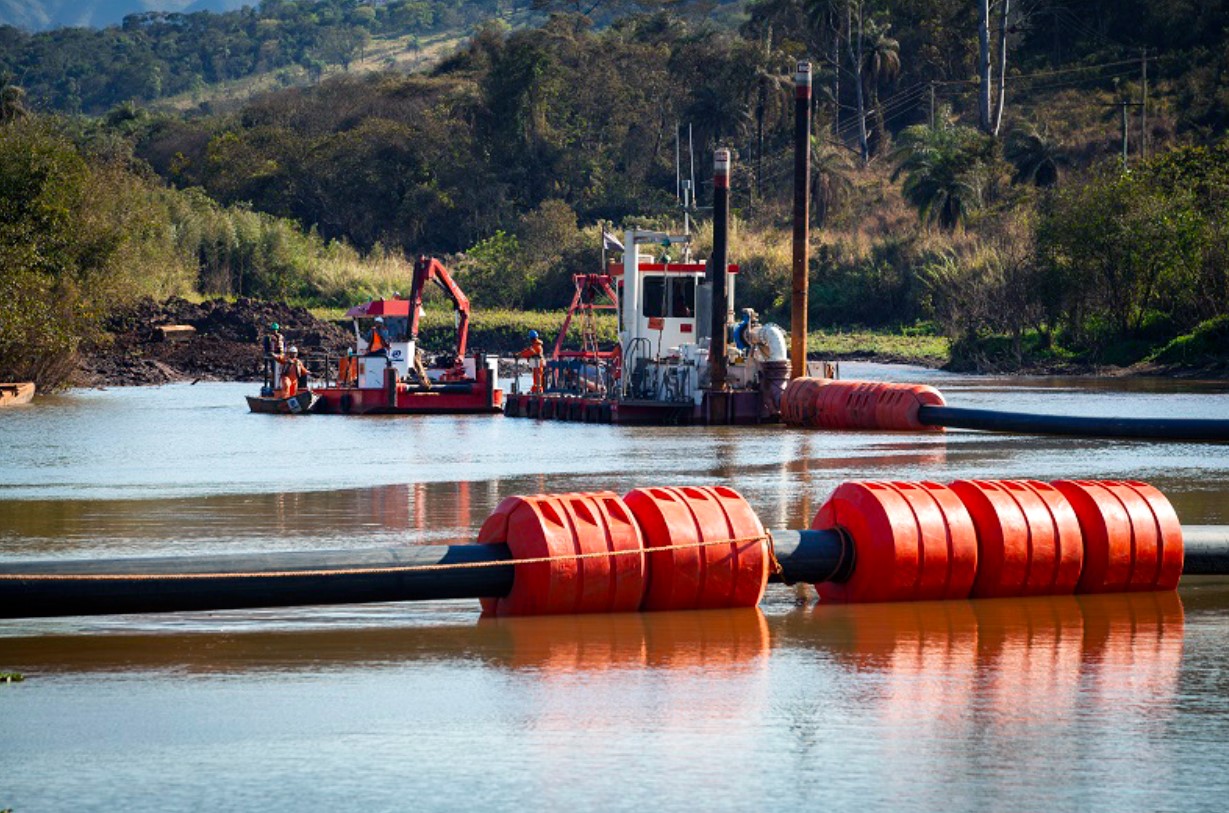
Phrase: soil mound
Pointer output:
(226, 345)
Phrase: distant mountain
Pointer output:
(41, 15)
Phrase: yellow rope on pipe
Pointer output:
(373, 571)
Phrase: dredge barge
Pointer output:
(388, 373)
(682, 357)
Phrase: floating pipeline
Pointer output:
(824, 403)
(690, 548)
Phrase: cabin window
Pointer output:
(674, 297)
(397, 328)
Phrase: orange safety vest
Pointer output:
(534, 353)
(292, 367)
(377, 342)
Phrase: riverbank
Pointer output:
(224, 344)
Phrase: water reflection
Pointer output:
(720, 639)
(1013, 661)
(415, 513)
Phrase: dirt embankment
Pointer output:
(226, 344)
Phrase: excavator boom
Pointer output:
(429, 269)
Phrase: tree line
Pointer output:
(154, 55)
(510, 153)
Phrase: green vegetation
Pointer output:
(158, 54)
(1021, 244)
(11, 677)
(903, 346)
(81, 235)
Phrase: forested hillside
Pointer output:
(1002, 212)
(39, 15)
(154, 55)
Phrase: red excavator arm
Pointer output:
(425, 270)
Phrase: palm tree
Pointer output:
(772, 93)
(830, 181)
(881, 63)
(943, 169)
(1035, 154)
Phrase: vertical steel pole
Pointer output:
(720, 265)
(802, 218)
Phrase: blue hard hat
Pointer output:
(533, 334)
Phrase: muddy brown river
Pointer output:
(1071, 703)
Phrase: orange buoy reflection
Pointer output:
(1009, 661)
(574, 643)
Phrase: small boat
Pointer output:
(298, 404)
(14, 394)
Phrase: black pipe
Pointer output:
(282, 579)
(168, 584)
(1200, 429)
(1207, 550)
(812, 557)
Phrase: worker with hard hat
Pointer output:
(293, 371)
(274, 346)
(537, 359)
(377, 338)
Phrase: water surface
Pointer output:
(1066, 703)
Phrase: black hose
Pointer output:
(417, 573)
(167, 584)
(1207, 550)
(1196, 429)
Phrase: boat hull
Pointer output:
(458, 398)
(299, 404)
(16, 394)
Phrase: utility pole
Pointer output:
(1143, 108)
(1122, 106)
(932, 105)
(983, 68)
(802, 217)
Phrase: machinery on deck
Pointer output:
(659, 372)
(388, 373)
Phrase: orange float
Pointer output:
(861, 404)
(798, 400)
(829, 404)
(732, 571)
(1107, 530)
(1029, 539)
(568, 526)
(1002, 539)
(911, 542)
(1068, 539)
(1145, 536)
(1170, 554)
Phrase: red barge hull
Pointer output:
(736, 408)
(469, 397)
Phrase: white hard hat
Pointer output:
(294, 351)
(380, 319)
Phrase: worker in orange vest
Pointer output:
(537, 359)
(377, 338)
(293, 370)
